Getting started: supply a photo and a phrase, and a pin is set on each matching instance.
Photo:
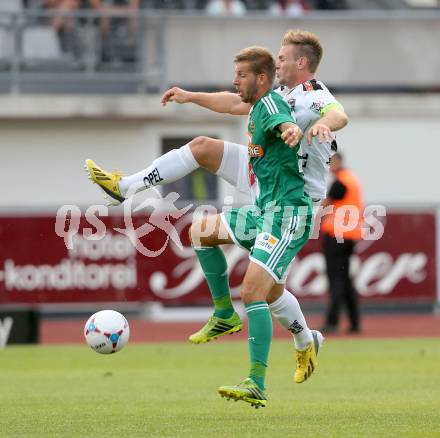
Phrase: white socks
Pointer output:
(287, 311)
(169, 167)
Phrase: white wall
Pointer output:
(397, 159)
(392, 143)
(360, 48)
(42, 161)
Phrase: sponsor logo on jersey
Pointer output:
(255, 150)
(317, 106)
(266, 242)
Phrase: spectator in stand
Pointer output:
(63, 24)
(342, 228)
(287, 8)
(225, 7)
(118, 33)
(114, 6)
(331, 4)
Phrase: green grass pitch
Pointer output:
(362, 388)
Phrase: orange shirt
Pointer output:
(347, 217)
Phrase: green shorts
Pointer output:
(273, 238)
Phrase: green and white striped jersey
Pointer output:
(277, 167)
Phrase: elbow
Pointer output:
(344, 120)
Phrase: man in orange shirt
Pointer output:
(342, 228)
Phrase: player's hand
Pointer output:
(175, 94)
(322, 131)
(292, 135)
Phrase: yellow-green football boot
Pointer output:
(247, 391)
(306, 360)
(216, 327)
(107, 181)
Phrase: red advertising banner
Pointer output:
(37, 267)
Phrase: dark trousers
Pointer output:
(337, 258)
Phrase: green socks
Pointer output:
(215, 268)
(259, 339)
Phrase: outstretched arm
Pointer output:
(222, 102)
(332, 120)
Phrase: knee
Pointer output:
(246, 295)
(200, 149)
(250, 292)
(194, 233)
(274, 294)
(201, 233)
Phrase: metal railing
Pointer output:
(89, 50)
(137, 52)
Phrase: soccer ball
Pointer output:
(107, 331)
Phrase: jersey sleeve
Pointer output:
(320, 100)
(274, 113)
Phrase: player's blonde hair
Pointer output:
(260, 60)
(308, 45)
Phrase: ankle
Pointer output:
(224, 313)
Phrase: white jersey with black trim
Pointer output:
(307, 100)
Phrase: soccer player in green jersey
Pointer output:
(275, 228)
(318, 113)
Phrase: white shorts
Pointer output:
(234, 167)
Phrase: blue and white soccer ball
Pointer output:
(107, 331)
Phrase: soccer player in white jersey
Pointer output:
(318, 114)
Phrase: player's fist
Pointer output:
(292, 135)
(177, 95)
(322, 131)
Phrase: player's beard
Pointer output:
(250, 94)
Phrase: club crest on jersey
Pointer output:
(251, 126)
(291, 103)
(266, 242)
(255, 150)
